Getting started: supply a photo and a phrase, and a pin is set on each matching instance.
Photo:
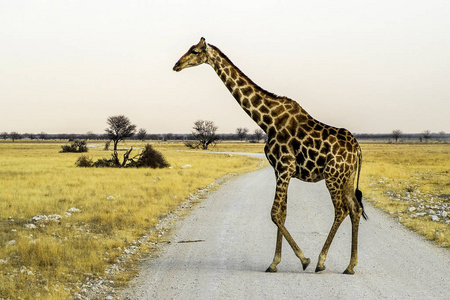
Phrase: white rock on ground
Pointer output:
(74, 210)
(39, 220)
(30, 226)
(11, 243)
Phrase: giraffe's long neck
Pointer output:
(255, 101)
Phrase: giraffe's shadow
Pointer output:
(212, 265)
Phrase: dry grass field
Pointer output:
(92, 213)
(411, 182)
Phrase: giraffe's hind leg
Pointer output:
(338, 192)
(339, 216)
(345, 202)
(355, 216)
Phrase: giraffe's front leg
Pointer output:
(278, 217)
(277, 258)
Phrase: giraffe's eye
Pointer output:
(195, 52)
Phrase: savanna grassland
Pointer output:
(411, 182)
(94, 213)
(105, 210)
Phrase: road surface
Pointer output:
(222, 248)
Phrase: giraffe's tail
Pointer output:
(358, 193)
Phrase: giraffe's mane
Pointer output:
(242, 74)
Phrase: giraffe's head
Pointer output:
(195, 56)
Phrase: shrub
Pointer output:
(150, 158)
(76, 146)
(105, 163)
(84, 161)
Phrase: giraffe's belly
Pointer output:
(309, 175)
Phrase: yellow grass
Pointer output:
(404, 179)
(52, 261)
(117, 206)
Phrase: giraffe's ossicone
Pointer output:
(297, 146)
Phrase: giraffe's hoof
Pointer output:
(306, 264)
(349, 272)
(320, 269)
(271, 270)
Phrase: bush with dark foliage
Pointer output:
(150, 158)
(76, 146)
(84, 161)
(105, 163)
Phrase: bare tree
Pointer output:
(396, 134)
(142, 133)
(14, 135)
(241, 133)
(258, 134)
(442, 135)
(120, 128)
(427, 135)
(205, 133)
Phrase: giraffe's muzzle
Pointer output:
(177, 67)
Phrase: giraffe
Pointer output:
(298, 146)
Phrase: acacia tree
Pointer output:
(205, 133)
(396, 134)
(241, 133)
(120, 128)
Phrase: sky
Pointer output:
(368, 66)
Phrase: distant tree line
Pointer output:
(138, 136)
(397, 136)
(240, 134)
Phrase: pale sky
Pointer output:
(368, 66)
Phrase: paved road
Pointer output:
(236, 241)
